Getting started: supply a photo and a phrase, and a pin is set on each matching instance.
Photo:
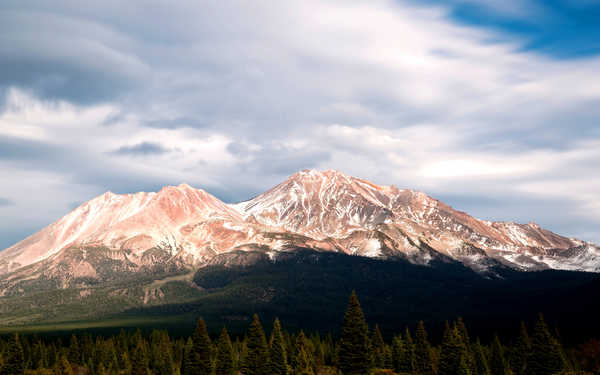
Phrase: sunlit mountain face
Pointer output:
(326, 211)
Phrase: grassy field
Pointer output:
(183, 323)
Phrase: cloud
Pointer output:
(235, 98)
(144, 148)
(6, 202)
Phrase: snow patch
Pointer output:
(372, 248)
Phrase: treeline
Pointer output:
(358, 351)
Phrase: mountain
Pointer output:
(358, 217)
(143, 249)
(326, 210)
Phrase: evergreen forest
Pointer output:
(357, 349)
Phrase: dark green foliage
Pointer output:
(498, 364)
(301, 286)
(447, 355)
(256, 361)
(124, 361)
(74, 351)
(224, 363)
(187, 357)
(546, 353)
(102, 371)
(139, 362)
(466, 340)
(38, 356)
(197, 359)
(518, 354)
(155, 353)
(454, 355)
(378, 348)
(481, 363)
(14, 360)
(354, 341)
(277, 352)
(161, 353)
(63, 367)
(303, 360)
(422, 352)
(406, 360)
(397, 351)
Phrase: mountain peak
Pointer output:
(318, 174)
(180, 187)
(326, 210)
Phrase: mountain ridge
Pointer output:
(324, 210)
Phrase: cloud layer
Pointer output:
(234, 97)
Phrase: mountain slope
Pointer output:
(136, 222)
(141, 251)
(181, 227)
(349, 210)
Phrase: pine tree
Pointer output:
(38, 356)
(90, 366)
(407, 358)
(74, 351)
(277, 352)
(256, 361)
(448, 355)
(101, 370)
(354, 345)
(13, 357)
(481, 363)
(124, 361)
(63, 367)
(139, 364)
(197, 360)
(224, 363)
(163, 354)
(423, 358)
(318, 352)
(378, 348)
(546, 353)
(389, 364)
(303, 357)
(463, 367)
(26, 351)
(466, 340)
(497, 362)
(453, 356)
(397, 350)
(518, 358)
(186, 357)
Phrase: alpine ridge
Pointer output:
(181, 227)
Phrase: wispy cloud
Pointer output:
(144, 148)
(5, 202)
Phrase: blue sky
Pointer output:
(490, 106)
(558, 28)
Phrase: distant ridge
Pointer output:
(324, 210)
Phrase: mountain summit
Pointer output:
(180, 227)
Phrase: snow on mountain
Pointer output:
(136, 222)
(326, 210)
(319, 205)
(332, 205)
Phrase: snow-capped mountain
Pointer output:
(327, 211)
(361, 217)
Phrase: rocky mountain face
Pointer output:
(179, 228)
